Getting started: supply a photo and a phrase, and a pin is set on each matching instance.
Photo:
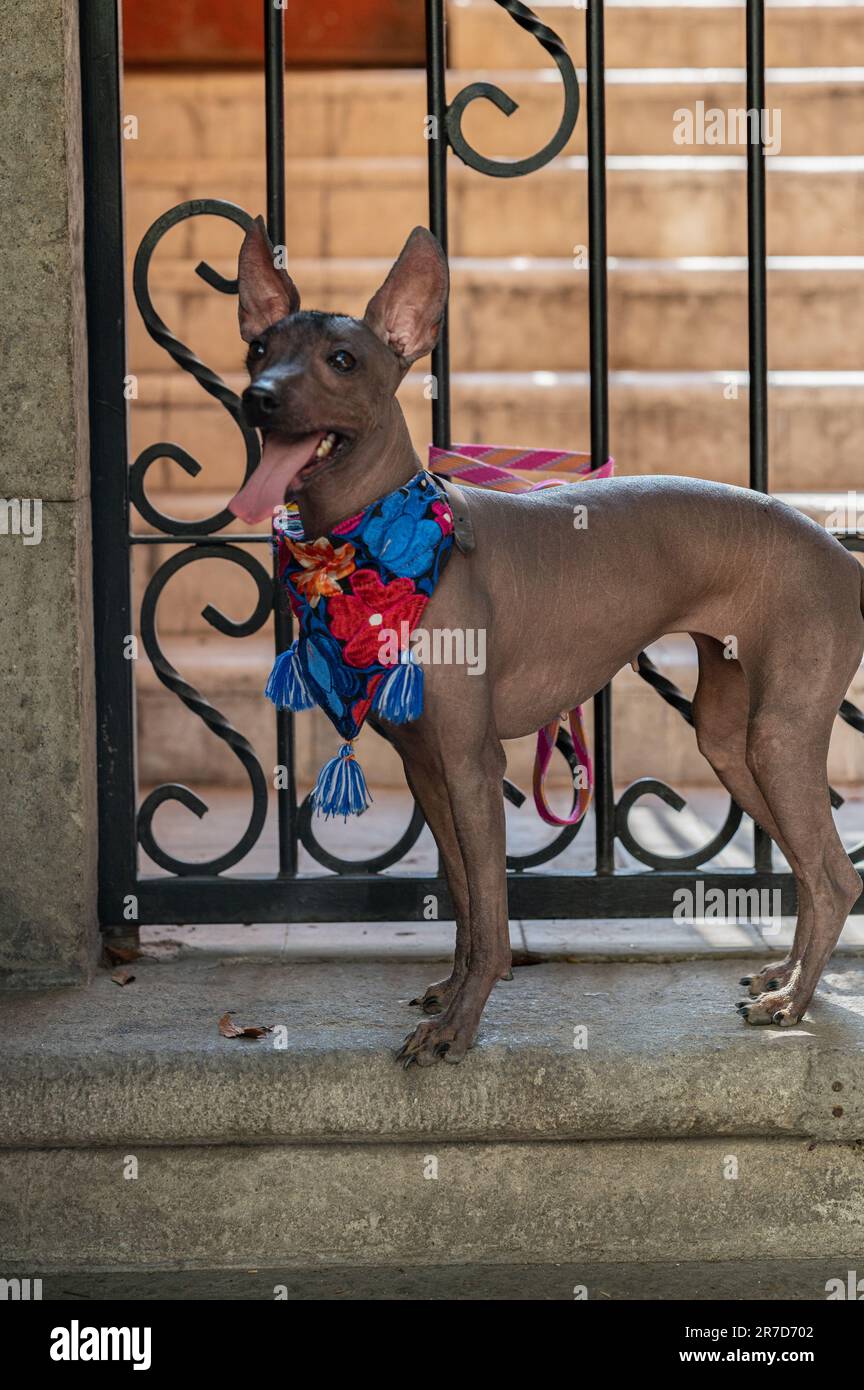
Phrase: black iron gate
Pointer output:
(204, 892)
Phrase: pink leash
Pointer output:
(546, 739)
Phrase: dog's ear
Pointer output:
(406, 312)
(267, 293)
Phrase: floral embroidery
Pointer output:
(382, 564)
(323, 566)
(395, 603)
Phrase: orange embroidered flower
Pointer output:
(324, 566)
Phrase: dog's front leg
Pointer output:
(426, 781)
(472, 777)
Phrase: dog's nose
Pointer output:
(259, 401)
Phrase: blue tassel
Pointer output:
(399, 697)
(341, 787)
(286, 686)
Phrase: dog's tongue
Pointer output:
(281, 461)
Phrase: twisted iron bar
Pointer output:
(201, 707)
(511, 169)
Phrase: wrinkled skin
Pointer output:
(564, 607)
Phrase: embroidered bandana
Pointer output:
(357, 594)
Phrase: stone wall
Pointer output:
(48, 924)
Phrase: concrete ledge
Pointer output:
(376, 1204)
(666, 1057)
(731, 1280)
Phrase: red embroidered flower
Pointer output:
(359, 618)
(323, 566)
(348, 525)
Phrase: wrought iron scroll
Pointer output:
(185, 358)
(196, 702)
(194, 532)
(510, 169)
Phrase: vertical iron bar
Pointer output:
(604, 803)
(436, 100)
(274, 100)
(757, 297)
(101, 47)
(437, 141)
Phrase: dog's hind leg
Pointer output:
(721, 710)
(472, 777)
(787, 752)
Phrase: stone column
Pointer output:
(48, 847)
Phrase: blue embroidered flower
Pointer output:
(399, 537)
(332, 681)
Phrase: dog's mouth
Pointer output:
(288, 463)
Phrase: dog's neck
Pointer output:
(379, 463)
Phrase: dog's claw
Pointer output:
(777, 1017)
(746, 980)
(405, 1049)
(772, 984)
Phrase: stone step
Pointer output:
(689, 34)
(231, 674)
(693, 313)
(658, 206)
(316, 1150)
(383, 112)
(691, 423)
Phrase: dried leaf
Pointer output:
(122, 977)
(121, 955)
(229, 1029)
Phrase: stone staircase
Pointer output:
(677, 297)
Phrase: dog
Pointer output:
(564, 609)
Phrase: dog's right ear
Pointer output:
(267, 293)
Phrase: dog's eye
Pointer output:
(257, 348)
(342, 361)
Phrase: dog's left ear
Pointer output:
(406, 312)
(267, 293)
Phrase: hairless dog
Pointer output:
(564, 608)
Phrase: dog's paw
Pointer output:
(435, 1041)
(437, 997)
(770, 977)
(775, 1006)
